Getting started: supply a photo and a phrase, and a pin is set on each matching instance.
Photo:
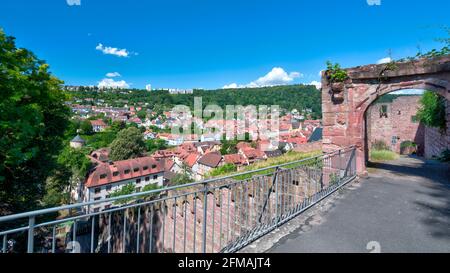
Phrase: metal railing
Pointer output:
(216, 215)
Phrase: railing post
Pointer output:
(340, 166)
(5, 241)
(276, 198)
(205, 207)
(30, 247)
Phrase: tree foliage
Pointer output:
(33, 119)
(287, 97)
(124, 190)
(71, 170)
(181, 179)
(129, 143)
(154, 145)
(432, 110)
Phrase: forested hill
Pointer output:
(288, 97)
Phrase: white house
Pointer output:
(109, 177)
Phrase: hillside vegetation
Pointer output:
(287, 97)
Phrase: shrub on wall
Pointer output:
(432, 110)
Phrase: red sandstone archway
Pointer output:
(344, 105)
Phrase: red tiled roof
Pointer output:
(98, 122)
(191, 159)
(242, 145)
(211, 159)
(252, 153)
(104, 173)
(235, 159)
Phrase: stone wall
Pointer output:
(309, 147)
(396, 125)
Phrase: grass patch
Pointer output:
(286, 158)
(383, 155)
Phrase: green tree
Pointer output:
(124, 190)
(142, 114)
(129, 143)
(86, 127)
(154, 145)
(33, 119)
(72, 168)
(181, 179)
(432, 110)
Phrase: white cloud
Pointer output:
(384, 60)
(277, 76)
(113, 50)
(317, 84)
(113, 74)
(73, 2)
(231, 86)
(110, 83)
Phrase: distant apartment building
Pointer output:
(111, 176)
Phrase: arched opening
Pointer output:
(393, 128)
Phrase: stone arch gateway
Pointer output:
(344, 104)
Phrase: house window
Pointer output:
(103, 176)
(108, 188)
(383, 111)
(107, 196)
(116, 173)
(147, 178)
(145, 168)
(97, 190)
(127, 171)
(135, 169)
(138, 181)
(155, 177)
(107, 206)
(96, 209)
(97, 198)
(153, 166)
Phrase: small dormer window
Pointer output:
(145, 168)
(135, 169)
(116, 173)
(103, 176)
(153, 166)
(127, 171)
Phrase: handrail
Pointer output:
(253, 206)
(207, 181)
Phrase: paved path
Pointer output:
(403, 205)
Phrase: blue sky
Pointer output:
(213, 43)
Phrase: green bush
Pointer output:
(445, 156)
(432, 110)
(407, 144)
(335, 73)
(380, 145)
